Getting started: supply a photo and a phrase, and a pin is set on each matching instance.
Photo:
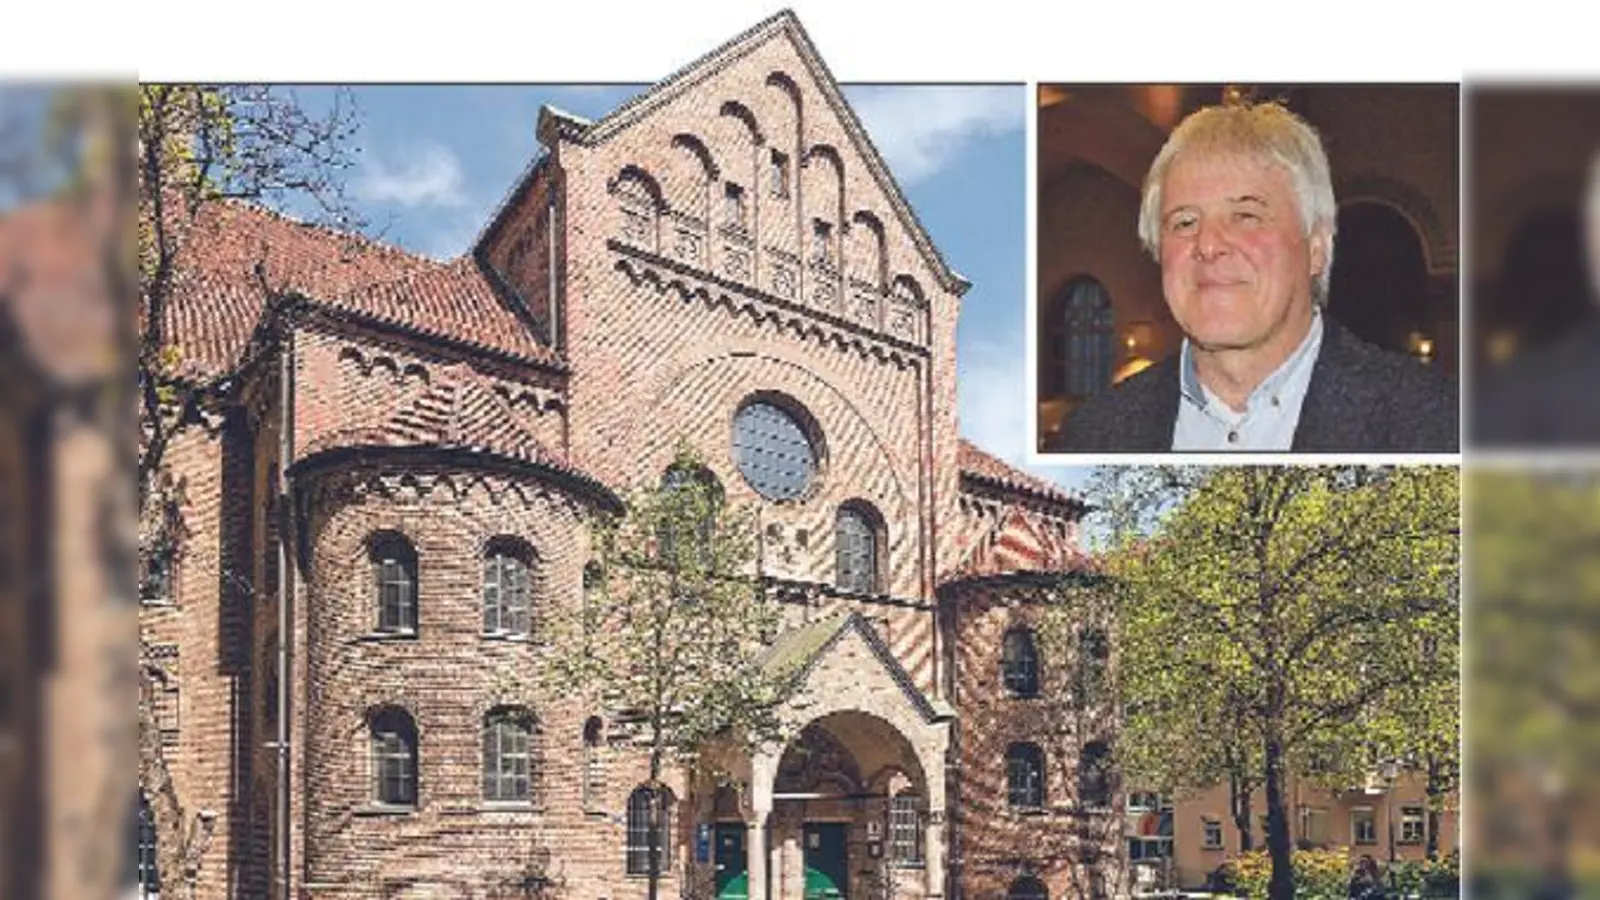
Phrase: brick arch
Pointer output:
(689, 184)
(866, 252)
(1438, 239)
(635, 174)
(736, 110)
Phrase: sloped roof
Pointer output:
(784, 23)
(797, 651)
(236, 254)
(987, 468)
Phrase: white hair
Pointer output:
(1268, 133)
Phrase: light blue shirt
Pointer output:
(1271, 413)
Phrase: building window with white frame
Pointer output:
(1413, 825)
(905, 829)
(1363, 825)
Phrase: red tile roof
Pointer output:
(980, 464)
(218, 295)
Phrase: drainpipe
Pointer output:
(285, 576)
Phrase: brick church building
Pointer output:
(724, 260)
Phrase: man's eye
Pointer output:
(1183, 224)
(1245, 215)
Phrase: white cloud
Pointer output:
(919, 129)
(430, 175)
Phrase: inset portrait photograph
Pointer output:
(1533, 207)
(1255, 268)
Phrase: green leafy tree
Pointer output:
(1271, 611)
(671, 634)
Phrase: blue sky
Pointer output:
(434, 161)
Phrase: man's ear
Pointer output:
(1320, 241)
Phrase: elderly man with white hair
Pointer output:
(1238, 208)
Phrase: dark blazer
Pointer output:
(1361, 399)
(1546, 398)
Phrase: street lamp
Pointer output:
(1390, 770)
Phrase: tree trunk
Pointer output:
(1239, 797)
(1435, 798)
(155, 783)
(1278, 845)
(653, 841)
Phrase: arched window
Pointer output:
(855, 535)
(702, 498)
(1094, 775)
(1094, 653)
(1019, 663)
(1025, 776)
(1083, 337)
(507, 586)
(508, 755)
(649, 831)
(1027, 888)
(394, 569)
(594, 776)
(905, 829)
(394, 757)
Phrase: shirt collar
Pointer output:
(1189, 379)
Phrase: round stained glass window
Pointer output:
(773, 451)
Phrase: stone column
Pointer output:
(763, 772)
(933, 854)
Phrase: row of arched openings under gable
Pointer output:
(508, 585)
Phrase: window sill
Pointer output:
(1028, 811)
(509, 637)
(1210, 849)
(384, 809)
(508, 806)
(381, 636)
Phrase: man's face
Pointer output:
(1235, 265)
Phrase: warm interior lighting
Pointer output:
(1501, 345)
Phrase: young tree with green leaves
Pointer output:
(1276, 611)
(671, 634)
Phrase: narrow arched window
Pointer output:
(1084, 339)
(394, 570)
(594, 777)
(394, 757)
(1094, 775)
(856, 540)
(508, 755)
(1025, 776)
(507, 588)
(649, 831)
(1019, 663)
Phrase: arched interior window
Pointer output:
(856, 539)
(507, 588)
(1027, 888)
(905, 829)
(1094, 775)
(394, 757)
(1025, 776)
(1083, 338)
(394, 568)
(508, 755)
(1019, 663)
(649, 831)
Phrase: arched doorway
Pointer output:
(849, 810)
(1380, 288)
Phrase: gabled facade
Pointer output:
(725, 261)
